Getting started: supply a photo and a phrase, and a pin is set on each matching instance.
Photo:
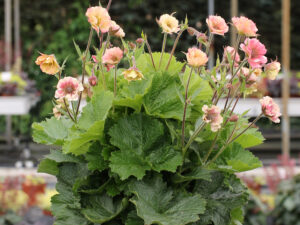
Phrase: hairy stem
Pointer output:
(211, 148)
(108, 5)
(68, 111)
(210, 38)
(150, 52)
(115, 81)
(185, 107)
(163, 48)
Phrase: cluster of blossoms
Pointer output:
(247, 69)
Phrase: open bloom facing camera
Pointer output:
(48, 64)
(196, 58)
(99, 19)
(69, 88)
(168, 23)
(217, 25)
(112, 56)
(244, 26)
(255, 52)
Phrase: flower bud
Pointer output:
(131, 45)
(93, 80)
(233, 118)
(139, 41)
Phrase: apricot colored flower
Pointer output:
(112, 56)
(272, 69)
(217, 25)
(133, 74)
(99, 19)
(255, 52)
(69, 88)
(213, 116)
(116, 30)
(168, 23)
(48, 64)
(270, 109)
(196, 57)
(257, 72)
(244, 26)
(231, 51)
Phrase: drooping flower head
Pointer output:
(69, 88)
(48, 64)
(255, 52)
(217, 25)
(231, 51)
(112, 56)
(133, 74)
(213, 116)
(196, 57)
(116, 30)
(99, 19)
(270, 109)
(272, 69)
(168, 23)
(244, 26)
(93, 80)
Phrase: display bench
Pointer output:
(254, 107)
(15, 105)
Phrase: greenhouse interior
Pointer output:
(150, 112)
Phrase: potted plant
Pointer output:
(152, 146)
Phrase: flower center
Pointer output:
(69, 89)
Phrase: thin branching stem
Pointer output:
(150, 52)
(68, 111)
(115, 81)
(163, 48)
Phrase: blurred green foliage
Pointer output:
(51, 26)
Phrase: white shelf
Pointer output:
(17, 105)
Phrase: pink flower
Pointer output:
(250, 76)
(93, 80)
(245, 26)
(255, 52)
(231, 51)
(272, 69)
(112, 56)
(270, 109)
(69, 88)
(94, 59)
(217, 25)
(213, 116)
(196, 57)
(99, 19)
(116, 30)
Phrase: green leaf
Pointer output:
(223, 194)
(51, 131)
(48, 166)
(95, 158)
(96, 110)
(250, 138)
(143, 146)
(77, 49)
(59, 157)
(102, 208)
(157, 204)
(239, 159)
(197, 173)
(133, 219)
(162, 99)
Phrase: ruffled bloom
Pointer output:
(270, 109)
(257, 72)
(272, 69)
(245, 26)
(93, 80)
(69, 88)
(99, 19)
(112, 56)
(133, 74)
(250, 76)
(213, 116)
(255, 52)
(196, 57)
(48, 64)
(116, 30)
(217, 25)
(168, 23)
(231, 51)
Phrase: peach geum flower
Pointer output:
(272, 69)
(196, 57)
(217, 25)
(255, 52)
(116, 30)
(270, 109)
(213, 116)
(231, 51)
(69, 88)
(48, 64)
(244, 26)
(112, 56)
(168, 23)
(99, 19)
(133, 74)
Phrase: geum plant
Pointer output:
(152, 146)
